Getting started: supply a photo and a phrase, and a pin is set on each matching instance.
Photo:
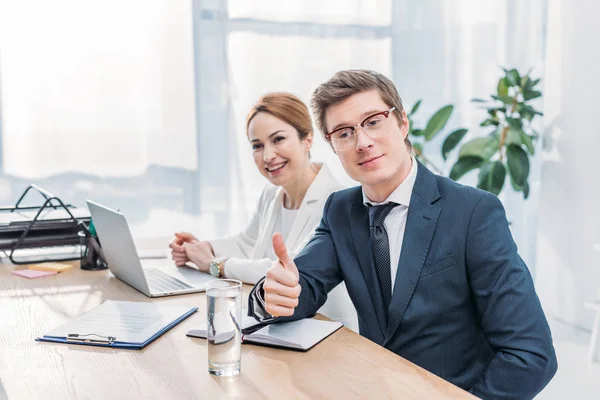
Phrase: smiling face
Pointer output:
(279, 154)
(379, 163)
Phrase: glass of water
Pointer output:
(223, 319)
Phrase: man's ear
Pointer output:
(404, 125)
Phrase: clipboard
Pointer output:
(120, 324)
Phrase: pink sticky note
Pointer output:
(32, 273)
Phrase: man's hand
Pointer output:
(177, 252)
(281, 285)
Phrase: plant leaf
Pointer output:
(437, 122)
(497, 177)
(515, 123)
(504, 99)
(527, 112)
(502, 87)
(452, 140)
(417, 132)
(518, 165)
(491, 177)
(464, 165)
(527, 141)
(493, 111)
(515, 186)
(513, 77)
(526, 190)
(482, 181)
(531, 84)
(513, 136)
(489, 122)
(483, 147)
(530, 95)
(479, 100)
(415, 107)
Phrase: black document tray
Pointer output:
(51, 225)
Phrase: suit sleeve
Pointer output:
(319, 273)
(510, 312)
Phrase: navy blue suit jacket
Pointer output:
(464, 306)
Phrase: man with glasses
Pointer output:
(429, 264)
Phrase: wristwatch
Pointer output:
(217, 267)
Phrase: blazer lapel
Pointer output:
(361, 239)
(320, 189)
(421, 223)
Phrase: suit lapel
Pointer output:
(361, 239)
(421, 223)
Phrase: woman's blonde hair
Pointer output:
(285, 106)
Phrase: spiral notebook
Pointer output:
(301, 335)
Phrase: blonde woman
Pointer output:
(279, 130)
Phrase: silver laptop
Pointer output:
(154, 278)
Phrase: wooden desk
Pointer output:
(345, 365)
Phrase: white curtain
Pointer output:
(160, 89)
(104, 88)
(93, 95)
(440, 51)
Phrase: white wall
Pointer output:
(568, 269)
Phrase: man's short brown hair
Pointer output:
(346, 83)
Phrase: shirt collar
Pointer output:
(402, 193)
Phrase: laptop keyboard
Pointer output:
(160, 282)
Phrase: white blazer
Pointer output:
(247, 251)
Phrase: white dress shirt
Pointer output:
(395, 222)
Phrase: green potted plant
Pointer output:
(419, 137)
(505, 150)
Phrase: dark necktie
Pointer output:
(381, 250)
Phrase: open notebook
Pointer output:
(299, 335)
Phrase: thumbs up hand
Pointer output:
(281, 286)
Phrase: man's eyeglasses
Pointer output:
(375, 125)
